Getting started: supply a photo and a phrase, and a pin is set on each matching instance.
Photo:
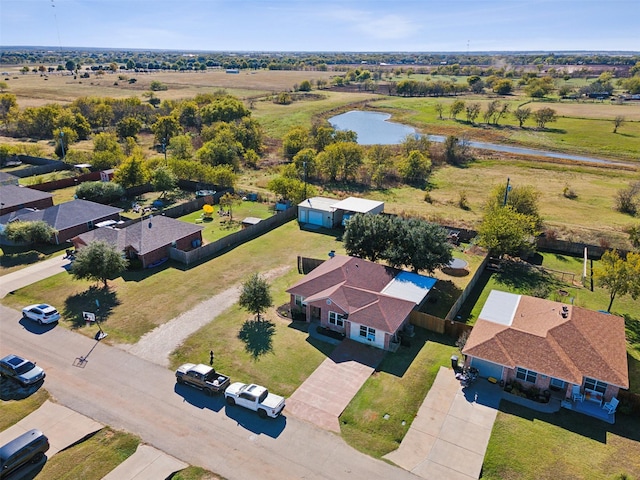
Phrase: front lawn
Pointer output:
(527, 445)
(15, 410)
(379, 416)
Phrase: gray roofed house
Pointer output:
(13, 197)
(69, 219)
(148, 240)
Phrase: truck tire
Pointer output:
(179, 380)
(208, 392)
(230, 401)
(262, 413)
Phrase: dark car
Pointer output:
(27, 448)
(21, 370)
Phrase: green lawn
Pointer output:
(15, 410)
(527, 445)
(92, 458)
(396, 389)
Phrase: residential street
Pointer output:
(121, 390)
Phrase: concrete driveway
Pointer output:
(449, 436)
(32, 274)
(329, 389)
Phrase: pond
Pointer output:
(372, 127)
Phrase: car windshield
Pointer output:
(52, 312)
(25, 367)
(263, 396)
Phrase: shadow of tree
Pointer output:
(527, 280)
(86, 302)
(257, 337)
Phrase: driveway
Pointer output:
(449, 436)
(329, 389)
(126, 392)
(32, 274)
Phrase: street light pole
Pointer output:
(304, 166)
(506, 193)
(62, 144)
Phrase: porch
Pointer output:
(592, 409)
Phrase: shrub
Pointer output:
(96, 191)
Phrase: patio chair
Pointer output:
(611, 405)
(576, 394)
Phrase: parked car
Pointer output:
(42, 313)
(21, 370)
(256, 398)
(203, 377)
(27, 448)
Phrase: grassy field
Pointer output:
(130, 306)
(92, 458)
(15, 410)
(527, 445)
(396, 389)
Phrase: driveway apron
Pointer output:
(329, 389)
(449, 436)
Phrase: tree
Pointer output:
(132, 171)
(539, 87)
(294, 140)
(70, 65)
(305, 86)
(505, 231)
(99, 191)
(439, 108)
(229, 200)
(255, 296)
(472, 110)
(522, 198)
(522, 114)
(367, 236)
(544, 116)
(414, 168)
(492, 107)
(618, 275)
(29, 232)
(456, 108)
(503, 87)
(8, 108)
(223, 109)
(617, 122)
(340, 158)
(379, 163)
(128, 127)
(98, 261)
(163, 180)
(166, 128)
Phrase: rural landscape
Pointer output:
(519, 175)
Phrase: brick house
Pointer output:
(14, 198)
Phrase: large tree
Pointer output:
(618, 275)
(163, 179)
(543, 116)
(255, 295)
(522, 198)
(98, 261)
(522, 114)
(505, 231)
(414, 168)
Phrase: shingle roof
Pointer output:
(355, 286)
(580, 343)
(14, 196)
(70, 214)
(142, 238)
(8, 179)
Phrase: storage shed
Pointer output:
(330, 213)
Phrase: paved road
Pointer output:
(121, 390)
(32, 274)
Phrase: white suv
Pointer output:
(43, 313)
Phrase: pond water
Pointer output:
(372, 127)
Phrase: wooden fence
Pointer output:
(453, 311)
(233, 240)
(438, 325)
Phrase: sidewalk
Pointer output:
(26, 276)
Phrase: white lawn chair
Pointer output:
(576, 394)
(611, 405)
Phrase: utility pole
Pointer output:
(506, 193)
(304, 166)
(164, 149)
(62, 144)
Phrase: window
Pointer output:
(595, 385)
(336, 319)
(526, 375)
(299, 301)
(368, 333)
(556, 382)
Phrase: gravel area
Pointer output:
(156, 345)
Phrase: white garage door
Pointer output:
(315, 218)
(487, 369)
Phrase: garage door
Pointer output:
(315, 218)
(487, 369)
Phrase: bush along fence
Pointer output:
(233, 240)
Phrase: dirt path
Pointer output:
(156, 345)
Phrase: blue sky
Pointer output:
(325, 25)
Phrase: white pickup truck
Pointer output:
(256, 398)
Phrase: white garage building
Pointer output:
(330, 213)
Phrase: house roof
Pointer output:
(14, 196)
(561, 341)
(8, 179)
(69, 214)
(358, 205)
(319, 203)
(144, 236)
(371, 294)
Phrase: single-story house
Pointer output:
(8, 179)
(549, 345)
(13, 197)
(69, 219)
(148, 240)
(366, 301)
(330, 213)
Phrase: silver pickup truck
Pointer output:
(203, 377)
(256, 398)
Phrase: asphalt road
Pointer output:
(129, 393)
